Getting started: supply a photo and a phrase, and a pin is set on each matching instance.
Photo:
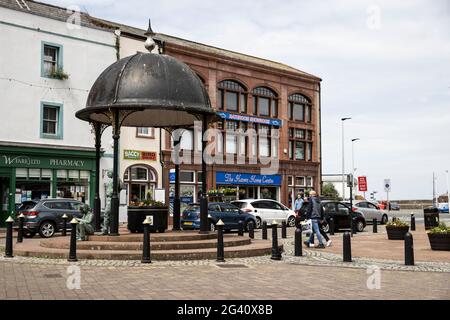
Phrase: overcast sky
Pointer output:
(384, 63)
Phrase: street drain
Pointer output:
(52, 276)
(231, 266)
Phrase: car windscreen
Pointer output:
(27, 205)
(239, 204)
(229, 208)
(193, 207)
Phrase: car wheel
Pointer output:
(326, 228)
(28, 234)
(212, 227)
(258, 223)
(384, 219)
(291, 221)
(360, 226)
(47, 229)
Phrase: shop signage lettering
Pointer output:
(20, 160)
(66, 163)
(139, 155)
(247, 179)
(43, 162)
(239, 117)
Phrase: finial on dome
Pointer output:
(150, 44)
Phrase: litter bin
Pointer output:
(431, 217)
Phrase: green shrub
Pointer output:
(441, 229)
(397, 223)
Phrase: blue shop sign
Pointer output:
(183, 199)
(247, 179)
(245, 118)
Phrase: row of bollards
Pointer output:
(276, 253)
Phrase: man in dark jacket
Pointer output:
(315, 213)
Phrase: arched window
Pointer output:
(299, 108)
(140, 181)
(265, 102)
(231, 96)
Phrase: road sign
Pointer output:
(362, 184)
(387, 185)
(349, 180)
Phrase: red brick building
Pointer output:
(262, 95)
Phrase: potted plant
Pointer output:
(439, 237)
(139, 210)
(58, 73)
(397, 229)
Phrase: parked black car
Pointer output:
(228, 213)
(340, 212)
(45, 216)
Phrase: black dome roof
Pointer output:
(163, 92)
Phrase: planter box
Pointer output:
(137, 215)
(396, 233)
(439, 241)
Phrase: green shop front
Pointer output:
(33, 173)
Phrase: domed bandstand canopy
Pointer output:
(149, 90)
(146, 90)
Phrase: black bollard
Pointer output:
(393, 219)
(375, 225)
(264, 230)
(331, 227)
(276, 254)
(413, 222)
(146, 244)
(64, 229)
(9, 238)
(20, 232)
(220, 246)
(251, 230)
(241, 228)
(347, 247)
(298, 242)
(351, 225)
(409, 250)
(283, 230)
(73, 241)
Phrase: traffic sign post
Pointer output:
(387, 188)
(362, 184)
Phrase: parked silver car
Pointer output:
(371, 211)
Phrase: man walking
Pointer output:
(298, 204)
(315, 213)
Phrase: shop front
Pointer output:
(249, 185)
(34, 173)
(190, 188)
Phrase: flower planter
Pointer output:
(397, 233)
(137, 215)
(439, 241)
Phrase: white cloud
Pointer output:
(394, 81)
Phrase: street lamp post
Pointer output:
(448, 192)
(343, 158)
(353, 156)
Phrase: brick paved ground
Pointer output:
(319, 274)
(267, 281)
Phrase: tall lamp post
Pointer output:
(448, 192)
(343, 158)
(353, 159)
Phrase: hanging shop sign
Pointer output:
(241, 117)
(139, 155)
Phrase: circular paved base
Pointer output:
(176, 245)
